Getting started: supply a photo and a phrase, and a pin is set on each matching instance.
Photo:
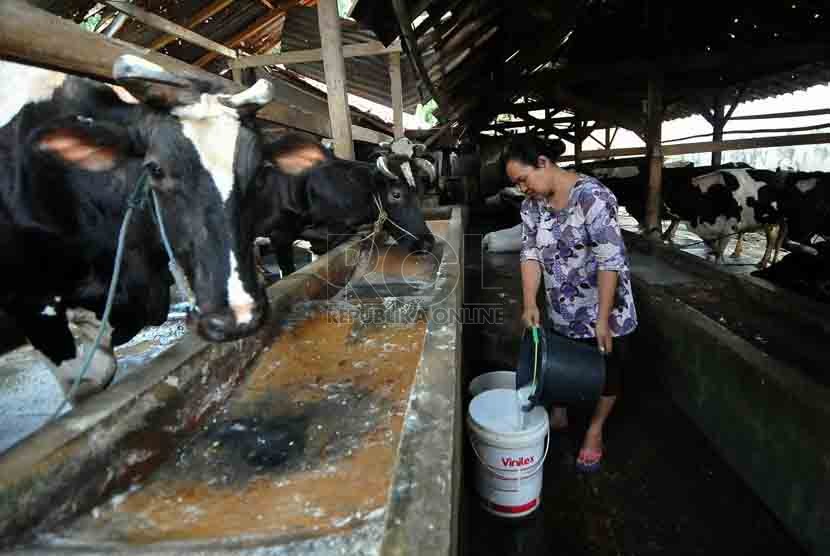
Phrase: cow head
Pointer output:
(200, 154)
(400, 200)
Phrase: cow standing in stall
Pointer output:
(306, 193)
(71, 153)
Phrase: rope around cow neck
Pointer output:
(136, 201)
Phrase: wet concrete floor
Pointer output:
(662, 489)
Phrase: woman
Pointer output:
(571, 237)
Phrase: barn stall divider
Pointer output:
(335, 429)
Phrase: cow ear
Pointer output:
(83, 143)
(294, 158)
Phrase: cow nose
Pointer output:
(224, 325)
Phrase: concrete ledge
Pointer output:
(424, 499)
(766, 418)
(122, 434)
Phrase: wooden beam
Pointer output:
(607, 113)
(411, 47)
(796, 114)
(162, 24)
(718, 123)
(206, 12)
(397, 93)
(315, 55)
(242, 36)
(334, 68)
(33, 36)
(369, 135)
(729, 145)
(654, 154)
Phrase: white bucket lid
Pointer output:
(495, 411)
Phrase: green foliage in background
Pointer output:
(424, 113)
(92, 22)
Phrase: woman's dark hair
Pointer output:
(528, 148)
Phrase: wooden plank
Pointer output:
(796, 114)
(162, 24)
(206, 12)
(335, 73)
(314, 55)
(397, 93)
(707, 147)
(369, 135)
(411, 44)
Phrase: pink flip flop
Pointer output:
(588, 460)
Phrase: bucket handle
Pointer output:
(519, 471)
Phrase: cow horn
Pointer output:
(407, 173)
(259, 94)
(384, 169)
(128, 66)
(427, 167)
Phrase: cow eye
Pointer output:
(396, 195)
(154, 170)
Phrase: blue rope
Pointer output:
(137, 200)
(105, 318)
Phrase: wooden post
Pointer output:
(335, 71)
(397, 93)
(608, 140)
(654, 153)
(718, 123)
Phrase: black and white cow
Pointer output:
(805, 204)
(72, 151)
(304, 192)
(725, 203)
(803, 273)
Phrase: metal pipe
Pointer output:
(116, 25)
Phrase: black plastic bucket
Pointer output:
(568, 372)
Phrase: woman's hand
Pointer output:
(530, 316)
(605, 340)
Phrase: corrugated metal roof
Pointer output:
(366, 76)
(246, 25)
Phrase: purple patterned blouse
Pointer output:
(571, 245)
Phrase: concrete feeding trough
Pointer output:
(334, 430)
(747, 362)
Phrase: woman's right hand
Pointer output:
(530, 316)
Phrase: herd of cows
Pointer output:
(719, 204)
(72, 151)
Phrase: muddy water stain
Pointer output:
(305, 447)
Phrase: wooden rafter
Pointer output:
(314, 55)
(264, 21)
(731, 145)
(158, 22)
(206, 12)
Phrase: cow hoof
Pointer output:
(98, 376)
(86, 389)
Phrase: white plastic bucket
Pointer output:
(491, 381)
(510, 460)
